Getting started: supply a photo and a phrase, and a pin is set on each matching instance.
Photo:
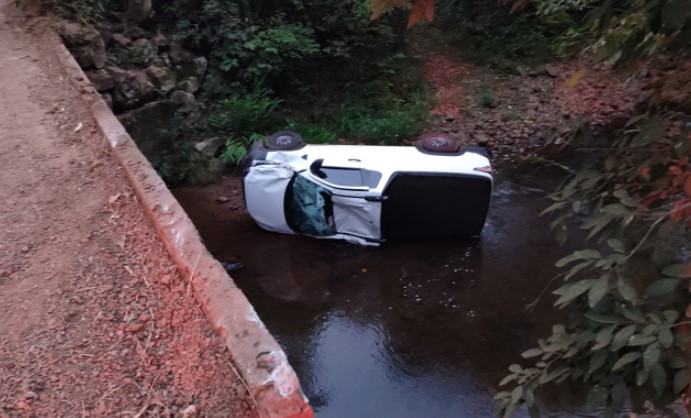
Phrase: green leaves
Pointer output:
(570, 291)
(651, 355)
(640, 339)
(681, 380)
(603, 338)
(648, 133)
(627, 298)
(627, 292)
(598, 290)
(626, 359)
(579, 255)
(659, 377)
(621, 338)
(680, 271)
(661, 287)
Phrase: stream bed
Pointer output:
(413, 329)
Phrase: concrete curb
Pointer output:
(256, 354)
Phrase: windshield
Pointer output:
(309, 209)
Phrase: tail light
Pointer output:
(486, 169)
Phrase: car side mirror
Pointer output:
(316, 168)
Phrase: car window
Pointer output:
(354, 177)
(309, 209)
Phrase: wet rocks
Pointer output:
(85, 43)
(163, 78)
(147, 50)
(211, 146)
(195, 67)
(551, 70)
(182, 97)
(132, 88)
(190, 85)
(120, 40)
(101, 79)
(481, 139)
(131, 67)
(160, 40)
(178, 54)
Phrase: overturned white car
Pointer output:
(366, 194)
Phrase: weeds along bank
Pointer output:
(196, 80)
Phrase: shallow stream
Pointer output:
(414, 329)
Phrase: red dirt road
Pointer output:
(94, 318)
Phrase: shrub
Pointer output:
(243, 115)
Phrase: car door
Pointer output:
(355, 211)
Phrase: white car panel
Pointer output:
(357, 216)
(357, 208)
(265, 189)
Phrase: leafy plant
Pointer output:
(487, 97)
(236, 149)
(266, 49)
(244, 119)
(242, 115)
(629, 293)
(234, 152)
(625, 29)
(87, 11)
(387, 121)
(316, 132)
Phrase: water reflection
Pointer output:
(413, 329)
(354, 372)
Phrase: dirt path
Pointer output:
(94, 319)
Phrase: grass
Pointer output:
(487, 97)
(385, 122)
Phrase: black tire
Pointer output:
(438, 142)
(284, 140)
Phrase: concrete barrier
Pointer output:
(255, 353)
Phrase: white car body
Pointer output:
(365, 194)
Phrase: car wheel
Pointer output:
(438, 142)
(284, 140)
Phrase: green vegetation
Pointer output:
(488, 98)
(491, 35)
(243, 120)
(87, 11)
(322, 68)
(627, 338)
(629, 290)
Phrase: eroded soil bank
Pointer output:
(94, 318)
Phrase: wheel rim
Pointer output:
(438, 142)
(284, 140)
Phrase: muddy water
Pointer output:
(413, 329)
